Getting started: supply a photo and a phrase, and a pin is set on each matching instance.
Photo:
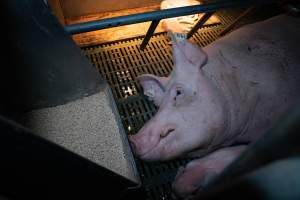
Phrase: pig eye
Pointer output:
(178, 93)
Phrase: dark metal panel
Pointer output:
(41, 65)
(33, 168)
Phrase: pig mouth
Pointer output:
(162, 136)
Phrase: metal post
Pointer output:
(149, 34)
(200, 23)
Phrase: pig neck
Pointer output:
(239, 103)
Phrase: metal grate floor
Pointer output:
(120, 63)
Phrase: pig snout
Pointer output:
(144, 140)
(146, 143)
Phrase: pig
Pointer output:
(219, 97)
(199, 172)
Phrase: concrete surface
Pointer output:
(87, 127)
(75, 8)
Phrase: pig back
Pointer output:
(257, 69)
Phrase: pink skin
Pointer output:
(154, 87)
(233, 93)
(170, 133)
(226, 93)
(198, 173)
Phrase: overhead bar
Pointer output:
(158, 15)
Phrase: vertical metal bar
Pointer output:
(232, 24)
(202, 21)
(150, 32)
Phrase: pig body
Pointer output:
(198, 173)
(230, 92)
(257, 70)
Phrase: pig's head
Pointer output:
(190, 114)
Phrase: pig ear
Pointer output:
(153, 86)
(187, 52)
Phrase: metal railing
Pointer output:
(156, 16)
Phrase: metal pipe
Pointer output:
(149, 34)
(157, 15)
(232, 24)
(200, 23)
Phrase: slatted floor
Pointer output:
(120, 63)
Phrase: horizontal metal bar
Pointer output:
(200, 23)
(149, 34)
(158, 15)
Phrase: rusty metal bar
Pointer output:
(200, 23)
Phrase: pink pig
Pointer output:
(228, 93)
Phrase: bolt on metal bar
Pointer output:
(149, 34)
(200, 23)
(158, 15)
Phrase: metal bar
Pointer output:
(284, 137)
(149, 34)
(158, 15)
(232, 24)
(200, 23)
